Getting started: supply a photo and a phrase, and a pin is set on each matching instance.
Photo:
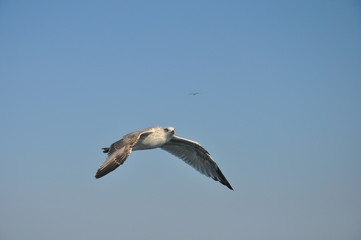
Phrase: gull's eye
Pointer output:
(166, 130)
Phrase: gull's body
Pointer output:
(162, 137)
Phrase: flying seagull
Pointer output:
(194, 93)
(189, 151)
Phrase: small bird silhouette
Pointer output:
(194, 93)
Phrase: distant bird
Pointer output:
(194, 93)
(189, 151)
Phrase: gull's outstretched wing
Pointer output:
(118, 152)
(114, 160)
(196, 156)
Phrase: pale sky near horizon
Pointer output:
(279, 110)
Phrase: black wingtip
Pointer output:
(230, 187)
(223, 179)
(226, 183)
(99, 174)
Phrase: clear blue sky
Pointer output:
(279, 109)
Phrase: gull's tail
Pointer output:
(105, 150)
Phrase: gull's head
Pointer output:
(169, 131)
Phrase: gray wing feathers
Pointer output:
(113, 161)
(118, 153)
(129, 139)
(196, 156)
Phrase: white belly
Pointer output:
(150, 141)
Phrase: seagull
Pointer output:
(194, 93)
(189, 151)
